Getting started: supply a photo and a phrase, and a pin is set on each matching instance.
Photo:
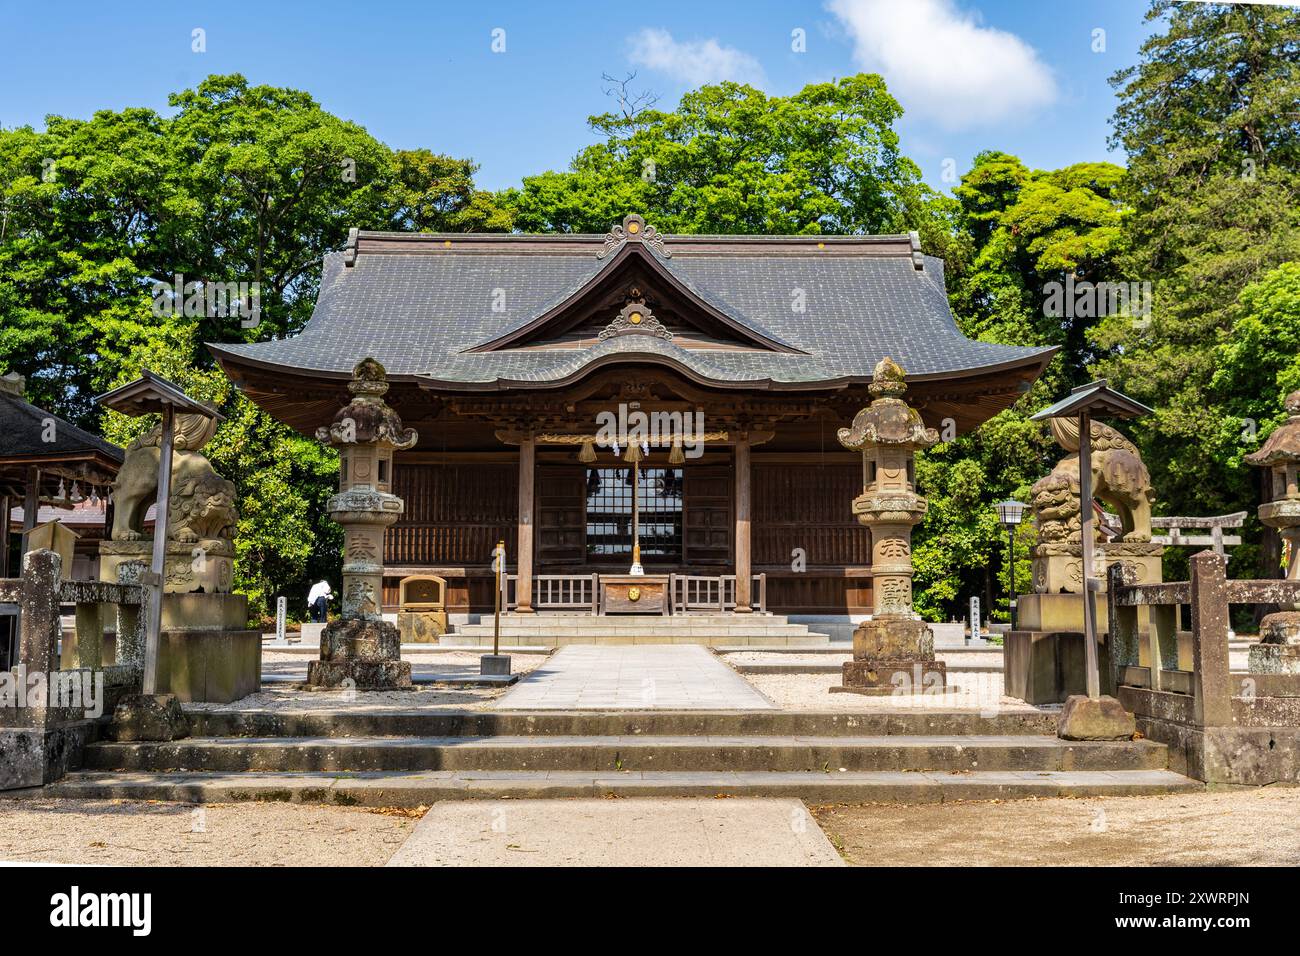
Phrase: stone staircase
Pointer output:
(556, 630)
(413, 758)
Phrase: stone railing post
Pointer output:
(40, 627)
(1210, 680)
(1121, 621)
(130, 623)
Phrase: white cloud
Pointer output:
(941, 63)
(694, 62)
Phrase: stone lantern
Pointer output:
(360, 646)
(1278, 650)
(894, 650)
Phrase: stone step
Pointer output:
(836, 667)
(345, 722)
(750, 641)
(423, 788)
(617, 753)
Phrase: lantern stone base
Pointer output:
(1278, 650)
(893, 656)
(363, 651)
(363, 675)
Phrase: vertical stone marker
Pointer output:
(894, 651)
(360, 649)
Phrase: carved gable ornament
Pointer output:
(634, 229)
(635, 318)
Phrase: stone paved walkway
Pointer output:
(691, 832)
(633, 677)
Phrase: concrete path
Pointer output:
(686, 832)
(633, 677)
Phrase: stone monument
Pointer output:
(1278, 650)
(894, 651)
(360, 649)
(1044, 658)
(206, 651)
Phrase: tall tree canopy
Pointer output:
(731, 159)
(241, 184)
(1209, 122)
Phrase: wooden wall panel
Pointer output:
(818, 594)
(809, 507)
(707, 525)
(455, 513)
(561, 497)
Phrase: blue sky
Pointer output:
(1017, 75)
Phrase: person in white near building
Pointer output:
(318, 599)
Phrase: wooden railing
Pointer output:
(698, 593)
(687, 593)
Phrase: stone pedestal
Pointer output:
(203, 566)
(1058, 567)
(1046, 667)
(206, 651)
(1278, 650)
(893, 656)
(365, 652)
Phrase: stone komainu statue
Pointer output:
(1119, 478)
(202, 505)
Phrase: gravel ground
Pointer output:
(980, 692)
(1224, 828)
(130, 833)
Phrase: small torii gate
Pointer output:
(1174, 526)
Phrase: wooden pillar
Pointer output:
(31, 505)
(524, 587)
(6, 507)
(744, 597)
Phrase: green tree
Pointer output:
(731, 159)
(242, 184)
(1208, 120)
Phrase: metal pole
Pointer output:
(1011, 575)
(496, 628)
(1086, 544)
(153, 626)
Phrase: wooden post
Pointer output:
(6, 507)
(1210, 680)
(31, 505)
(744, 586)
(524, 581)
(153, 620)
(1086, 520)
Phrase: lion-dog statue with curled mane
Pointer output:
(1119, 479)
(201, 515)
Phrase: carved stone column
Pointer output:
(1278, 650)
(894, 651)
(360, 646)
